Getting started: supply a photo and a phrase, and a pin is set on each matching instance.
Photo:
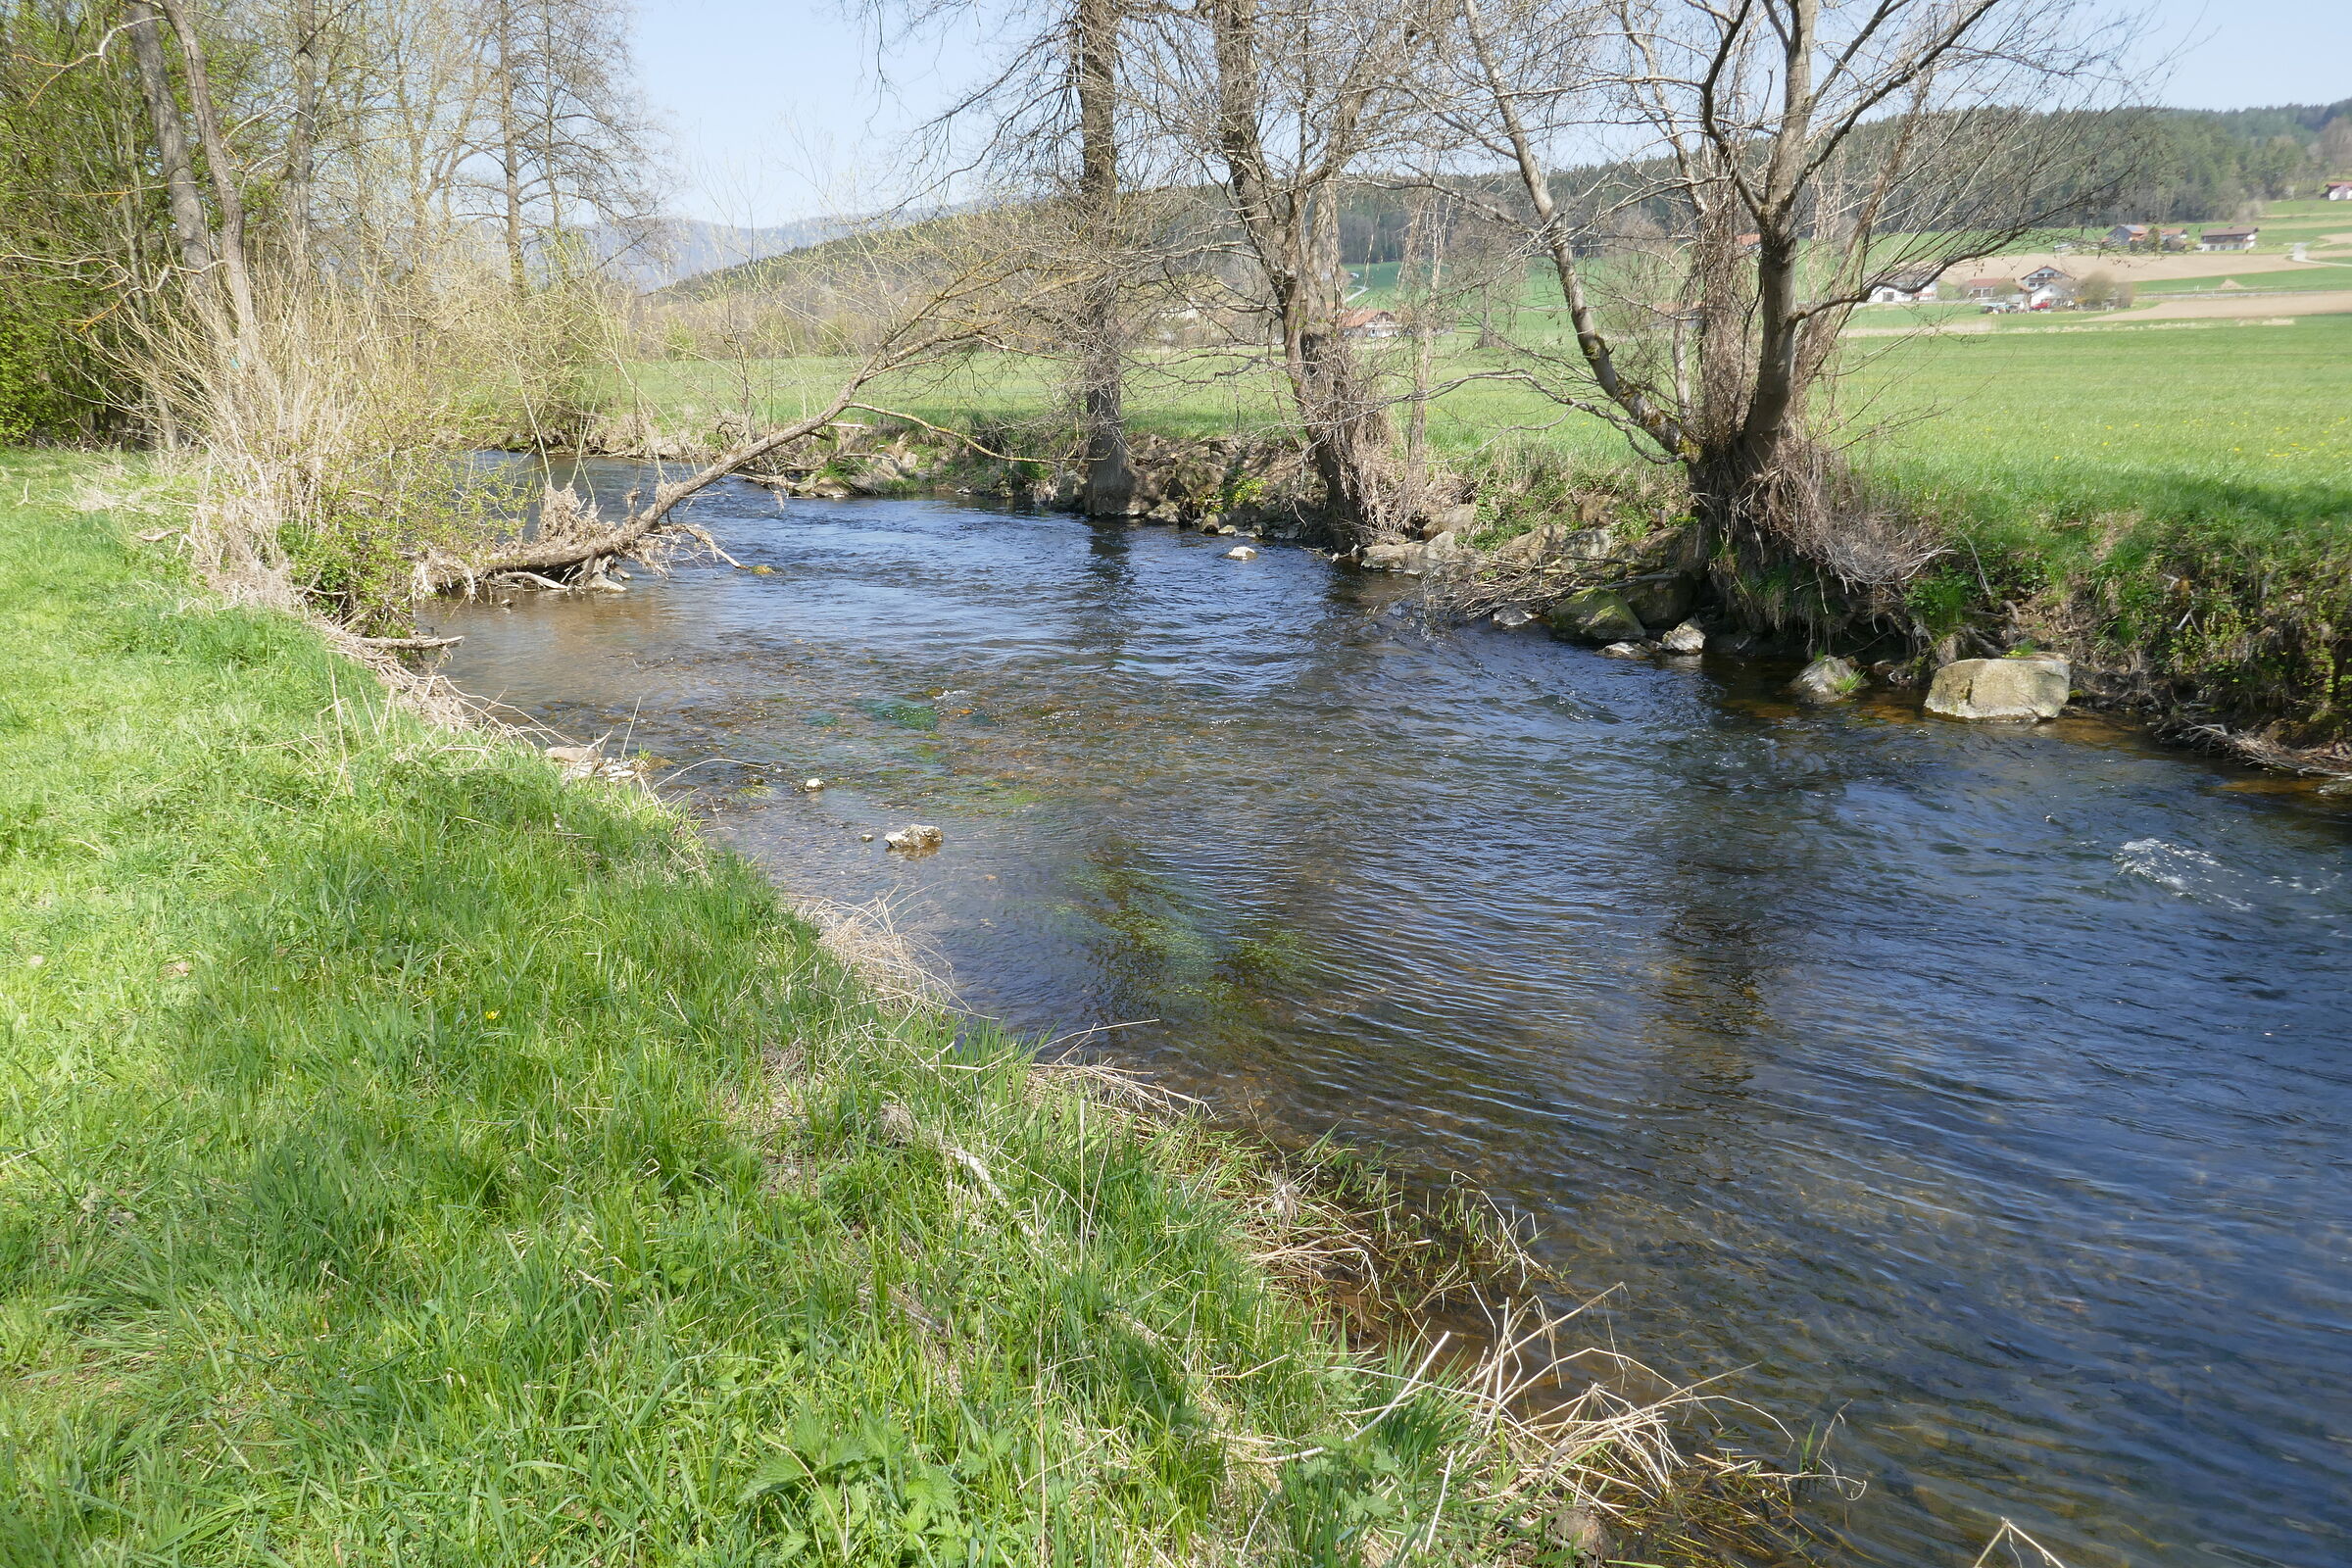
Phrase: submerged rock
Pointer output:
(1624, 650)
(1513, 616)
(1685, 638)
(2031, 688)
(1827, 679)
(1596, 616)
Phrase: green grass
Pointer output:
(412, 1158)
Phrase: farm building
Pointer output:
(1905, 288)
(2173, 239)
(1368, 323)
(2049, 277)
(2339, 190)
(2128, 235)
(1987, 288)
(2228, 239)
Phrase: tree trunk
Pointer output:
(229, 236)
(1109, 486)
(510, 151)
(189, 225)
(302, 138)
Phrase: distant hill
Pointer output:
(2185, 165)
(662, 254)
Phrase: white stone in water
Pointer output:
(1241, 553)
(1683, 639)
(812, 785)
(1827, 679)
(914, 836)
(1513, 616)
(1624, 650)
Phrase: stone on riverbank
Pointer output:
(1596, 616)
(1827, 679)
(2032, 688)
(1513, 616)
(1661, 603)
(1683, 639)
(1450, 519)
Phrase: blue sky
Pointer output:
(781, 109)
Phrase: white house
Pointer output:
(1905, 288)
(2049, 277)
(2228, 239)
(1369, 324)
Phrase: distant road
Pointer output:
(2309, 302)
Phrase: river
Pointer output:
(1979, 1096)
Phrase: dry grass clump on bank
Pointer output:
(331, 444)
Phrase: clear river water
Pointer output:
(1979, 1096)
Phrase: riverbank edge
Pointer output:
(2219, 656)
(443, 1130)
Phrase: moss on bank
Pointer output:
(413, 1157)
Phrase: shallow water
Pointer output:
(1985, 1092)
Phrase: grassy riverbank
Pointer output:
(2168, 500)
(410, 1156)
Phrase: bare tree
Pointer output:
(1285, 102)
(1800, 154)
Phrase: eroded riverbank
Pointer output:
(1979, 1090)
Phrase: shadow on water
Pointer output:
(1980, 1093)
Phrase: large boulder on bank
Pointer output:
(1596, 616)
(1394, 554)
(1827, 679)
(1450, 519)
(1661, 603)
(1448, 547)
(2001, 688)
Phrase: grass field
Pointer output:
(408, 1157)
